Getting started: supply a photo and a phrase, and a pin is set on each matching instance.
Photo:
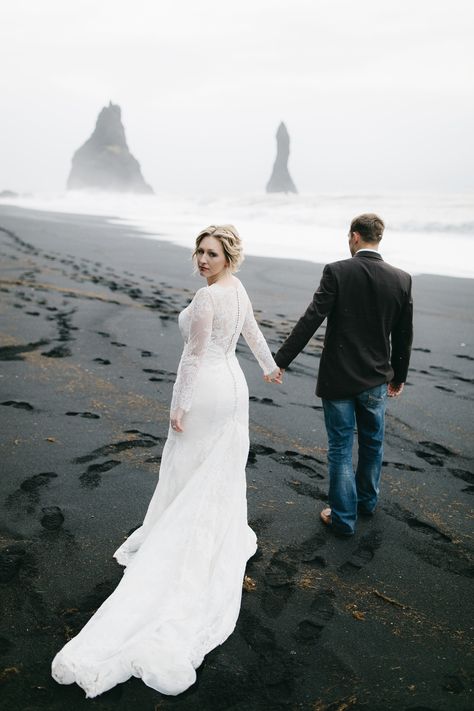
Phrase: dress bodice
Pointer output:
(228, 306)
(211, 326)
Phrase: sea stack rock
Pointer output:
(104, 162)
(280, 180)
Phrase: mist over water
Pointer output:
(425, 234)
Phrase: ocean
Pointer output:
(425, 234)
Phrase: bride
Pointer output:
(181, 590)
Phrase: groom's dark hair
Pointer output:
(369, 226)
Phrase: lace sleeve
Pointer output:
(200, 330)
(257, 343)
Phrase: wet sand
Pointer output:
(89, 346)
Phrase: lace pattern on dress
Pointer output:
(201, 313)
(216, 317)
(256, 342)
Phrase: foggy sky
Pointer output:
(377, 96)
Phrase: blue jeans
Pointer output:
(349, 492)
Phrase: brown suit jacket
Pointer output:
(369, 311)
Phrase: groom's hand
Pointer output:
(395, 389)
(279, 378)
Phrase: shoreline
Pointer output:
(126, 225)
(309, 225)
(89, 346)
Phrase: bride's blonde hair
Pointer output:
(230, 241)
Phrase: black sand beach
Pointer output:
(89, 347)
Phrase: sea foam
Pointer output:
(425, 234)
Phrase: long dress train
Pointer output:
(181, 590)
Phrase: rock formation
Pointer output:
(104, 161)
(280, 180)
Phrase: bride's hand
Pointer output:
(176, 420)
(275, 377)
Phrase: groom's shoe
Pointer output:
(326, 518)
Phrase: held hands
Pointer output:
(275, 377)
(395, 389)
(176, 419)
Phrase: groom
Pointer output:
(366, 352)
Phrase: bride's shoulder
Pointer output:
(241, 288)
(202, 297)
(201, 294)
(239, 285)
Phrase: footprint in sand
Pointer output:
(256, 450)
(402, 467)
(58, 352)
(274, 669)
(279, 583)
(303, 488)
(311, 407)
(438, 449)
(264, 401)
(438, 549)
(363, 554)
(463, 474)
(401, 514)
(427, 529)
(432, 459)
(441, 369)
(160, 376)
(312, 467)
(88, 415)
(11, 560)
(144, 434)
(20, 404)
(309, 552)
(464, 380)
(30, 489)
(53, 518)
(91, 478)
(15, 352)
(322, 612)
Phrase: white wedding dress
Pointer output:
(181, 590)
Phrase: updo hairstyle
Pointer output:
(230, 241)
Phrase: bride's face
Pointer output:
(211, 259)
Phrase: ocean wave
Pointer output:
(308, 227)
(466, 228)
